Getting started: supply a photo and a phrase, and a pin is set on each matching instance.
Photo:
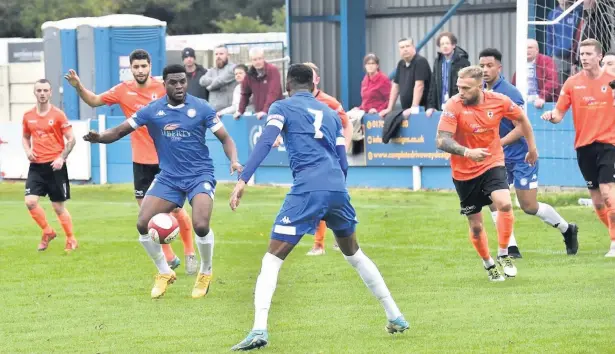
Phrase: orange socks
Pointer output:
(169, 255)
(319, 237)
(67, 223)
(185, 230)
(481, 244)
(602, 215)
(38, 215)
(504, 223)
(611, 225)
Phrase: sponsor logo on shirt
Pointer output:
(478, 129)
(174, 132)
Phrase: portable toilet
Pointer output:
(104, 47)
(60, 47)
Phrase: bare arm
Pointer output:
(25, 141)
(419, 87)
(89, 97)
(557, 116)
(446, 143)
(110, 135)
(393, 96)
(347, 132)
(513, 135)
(526, 128)
(228, 144)
(70, 143)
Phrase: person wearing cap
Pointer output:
(194, 72)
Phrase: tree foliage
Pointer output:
(21, 18)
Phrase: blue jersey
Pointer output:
(179, 136)
(516, 151)
(311, 131)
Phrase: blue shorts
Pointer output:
(522, 175)
(301, 213)
(177, 192)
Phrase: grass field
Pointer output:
(96, 300)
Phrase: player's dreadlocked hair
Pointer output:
(300, 77)
(172, 69)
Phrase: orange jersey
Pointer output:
(477, 127)
(593, 113)
(46, 132)
(334, 105)
(131, 98)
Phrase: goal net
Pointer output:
(555, 30)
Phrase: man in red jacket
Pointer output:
(542, 81)
(262, 82)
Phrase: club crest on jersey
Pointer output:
(51, 122)
(191, 113)
(603, 89)
(154, 96)
(490, 114)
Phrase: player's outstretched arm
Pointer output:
(261, 150)
(110, 135)
(89, 97)
(228, 144)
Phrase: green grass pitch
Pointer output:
(96, 300)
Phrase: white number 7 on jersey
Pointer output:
(317, 122)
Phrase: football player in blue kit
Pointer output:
(178, 123)
(316, 150)
(521, 174)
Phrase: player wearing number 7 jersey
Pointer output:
(317, 154)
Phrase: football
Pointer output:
(163, 228)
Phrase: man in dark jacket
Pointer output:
(194, 72)
(449, 61)
(263, 83)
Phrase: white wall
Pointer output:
(13, 161)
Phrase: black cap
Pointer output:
(188, 52)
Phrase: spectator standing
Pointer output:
(194, 72)
(449, 61)
(542, 79)
(220, 80)
(411, 82)
(375, 87)
(263, 83)
(560, 38)
(240, 74)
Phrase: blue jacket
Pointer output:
(560, 36)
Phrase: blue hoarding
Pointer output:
(277, 156)
(415, 145)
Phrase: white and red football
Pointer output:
(163, 228)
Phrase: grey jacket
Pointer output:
(220, 83)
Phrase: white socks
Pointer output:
(547, 214)
(206, 251)
(154, 251)
(265, 287)
(373, 279)
(513, 240)
(488, 263)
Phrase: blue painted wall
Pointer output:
(558, 164)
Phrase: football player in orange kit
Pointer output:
(469, 130)
(131, 96)
(44, 129)
(592, 99)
